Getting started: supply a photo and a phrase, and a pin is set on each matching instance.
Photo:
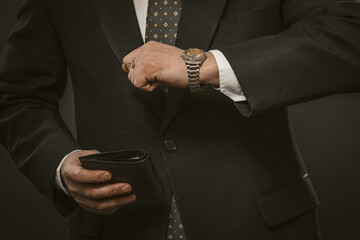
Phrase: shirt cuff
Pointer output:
(58, 180)
(229, 84)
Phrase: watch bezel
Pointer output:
(192, 59)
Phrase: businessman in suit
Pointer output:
(213, 118)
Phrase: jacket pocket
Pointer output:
(283, 204)
(85, 223)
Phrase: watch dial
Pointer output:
(194, 53)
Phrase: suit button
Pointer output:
(169, 145)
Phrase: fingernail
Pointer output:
(105, 176)
(126, 189)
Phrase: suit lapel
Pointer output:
(118, 21)
(119, 24)
(198, 23)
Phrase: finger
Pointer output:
(125, 68)
(105, 190)
(128, 59)
(131, 75)
(88, 152)
(138, 79)
(74, 158)
(106, 204)
(104, 212)
(151, 86)
(82, 175)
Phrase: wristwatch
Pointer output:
(193, 58)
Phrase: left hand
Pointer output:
(157, 63)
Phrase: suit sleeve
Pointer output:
(316, 55)
(32, 79)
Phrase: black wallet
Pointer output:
(128, 166)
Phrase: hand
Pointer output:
(157, 63)
(89, 188)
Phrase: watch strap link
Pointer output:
(194, 77)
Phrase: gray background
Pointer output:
(327, 131)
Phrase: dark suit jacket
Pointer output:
(236, 172)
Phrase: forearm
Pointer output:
(36, 140)
(32, 79)
(209, 71)
(316, 56)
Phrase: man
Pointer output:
(218, 134)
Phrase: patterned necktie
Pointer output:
(161, 25)
(162, 21)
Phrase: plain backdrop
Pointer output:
(327, 131)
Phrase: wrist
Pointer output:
(209, 71)
(58, 178)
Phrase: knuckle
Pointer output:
(148, 65)
(114, 190)
(94, 177)
(66, 172)
(93, 194)
(137, 84)
(149, 68)
(76, 174)
(126, 59)
(72, 188)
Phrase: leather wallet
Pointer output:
(129, 166)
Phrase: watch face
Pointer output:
(194, 54)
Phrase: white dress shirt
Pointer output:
(229, 85)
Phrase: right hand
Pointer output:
(90, 189)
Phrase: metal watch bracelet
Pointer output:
(194, 77)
